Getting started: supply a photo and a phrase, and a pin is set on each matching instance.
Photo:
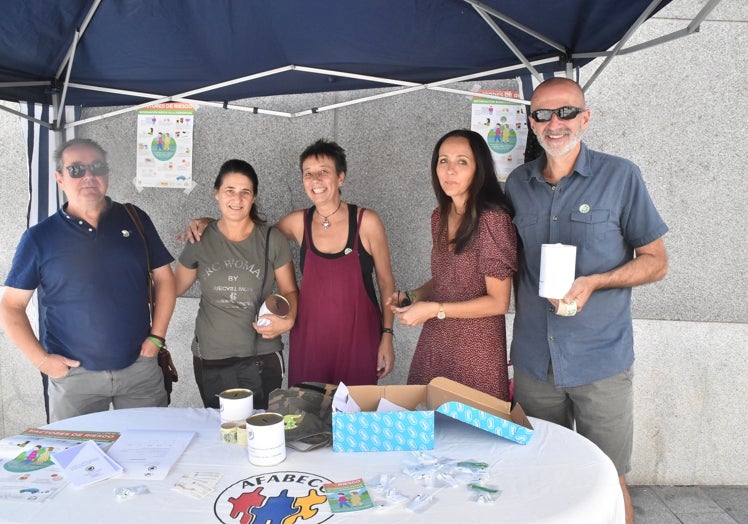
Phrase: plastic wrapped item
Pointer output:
(448, 479)
(470, 471)
(420, 503)
(391, 497)
(483, 494)
(383, 482)
(130, 492)
(383, 491)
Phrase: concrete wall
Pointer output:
(678, 110)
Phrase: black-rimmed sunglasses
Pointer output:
(96, 169)
(564, 113)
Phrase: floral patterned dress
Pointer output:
(471, 351)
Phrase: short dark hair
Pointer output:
(76, 142)
(241, 167)
(326, 148)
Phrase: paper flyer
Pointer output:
(504, 126)
(86, 464)
(348, 496)
(27, 471)
(164, 134)
(149, 454)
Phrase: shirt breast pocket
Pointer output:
(588, 228)
(527, 228)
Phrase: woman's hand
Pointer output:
(385, 355)
(194, 231)
(417, 313)
(276, 326)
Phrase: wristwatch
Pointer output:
(441, 315)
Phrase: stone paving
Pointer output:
(690, 504)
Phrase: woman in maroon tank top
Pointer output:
(341, 333)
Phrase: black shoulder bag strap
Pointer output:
(265, 270)
(164, 357)
(139, 226)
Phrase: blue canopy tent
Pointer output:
(55, 54)
(135, 52)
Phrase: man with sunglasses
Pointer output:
(573, 357)
(89, 264)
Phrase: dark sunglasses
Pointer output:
(96, 169)
(564, 113)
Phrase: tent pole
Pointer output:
(25, 116)
(507, 41)
(642, 18)
(501, 16)
(80, 30)
(61, 102)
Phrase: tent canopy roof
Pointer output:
(124, 52)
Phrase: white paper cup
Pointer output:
(266, 439)
(236, 404)
(274, 305)
(557, 267)
(228, 432)
(241, 433)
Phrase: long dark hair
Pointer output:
(243, 168)
(485, 193)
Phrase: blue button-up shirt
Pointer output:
(603, 208)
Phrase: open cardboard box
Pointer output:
(368, 430)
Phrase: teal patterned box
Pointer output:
(413, 429)
(372, 431)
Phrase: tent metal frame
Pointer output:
(489, 15)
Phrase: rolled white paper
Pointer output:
(557, 266)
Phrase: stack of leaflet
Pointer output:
(85, 464)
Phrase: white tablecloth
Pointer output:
(559, 477)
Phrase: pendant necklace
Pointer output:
(326, 222)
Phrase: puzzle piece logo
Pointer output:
(279, 497)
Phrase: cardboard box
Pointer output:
(414, 429)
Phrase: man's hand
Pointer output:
(57, 366)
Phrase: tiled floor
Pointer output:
(690, 504)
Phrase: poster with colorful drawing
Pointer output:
(504, 126)
(165, 145)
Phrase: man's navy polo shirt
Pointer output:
(604, 209)
(92, 283)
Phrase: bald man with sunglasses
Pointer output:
(573, 356)
(90, 265)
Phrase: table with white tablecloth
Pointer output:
(558, 477)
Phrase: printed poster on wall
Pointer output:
(504, 126)
(165, 145)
